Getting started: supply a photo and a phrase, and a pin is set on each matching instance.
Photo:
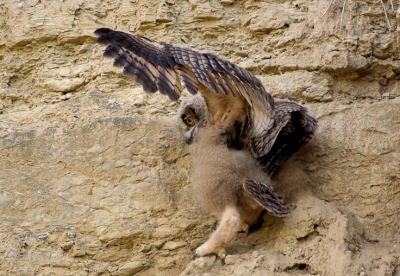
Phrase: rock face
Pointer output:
(94, 176)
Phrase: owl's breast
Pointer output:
(218, 174)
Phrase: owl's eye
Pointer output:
(189, 120)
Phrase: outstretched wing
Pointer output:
(224, 86)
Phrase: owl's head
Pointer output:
(191, 116)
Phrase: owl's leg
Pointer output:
(229, 225)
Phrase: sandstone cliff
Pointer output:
(94, 176)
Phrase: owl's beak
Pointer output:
(188, 135)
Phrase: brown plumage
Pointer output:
(236, 132)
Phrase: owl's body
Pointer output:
(218, 174)
(236, 132)
(217, 178)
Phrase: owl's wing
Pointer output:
(293, 128)
(266, 197)
(162, 67)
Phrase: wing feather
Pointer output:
(145, 75)
(293, 128)
(223, 80)
(167, 83)
(229, 82)
(215, 78)
(266, 197)
(188, 78)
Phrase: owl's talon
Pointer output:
(195, 254)
(223, 257)
(246, 229)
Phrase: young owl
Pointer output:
(236, 132)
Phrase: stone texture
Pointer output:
(94, 176)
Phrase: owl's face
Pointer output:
(191, 116)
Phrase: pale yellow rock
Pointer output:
(267, 19)
(131, 268)
(170, 245)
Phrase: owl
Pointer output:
(237, 133)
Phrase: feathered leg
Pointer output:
(229, 225)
